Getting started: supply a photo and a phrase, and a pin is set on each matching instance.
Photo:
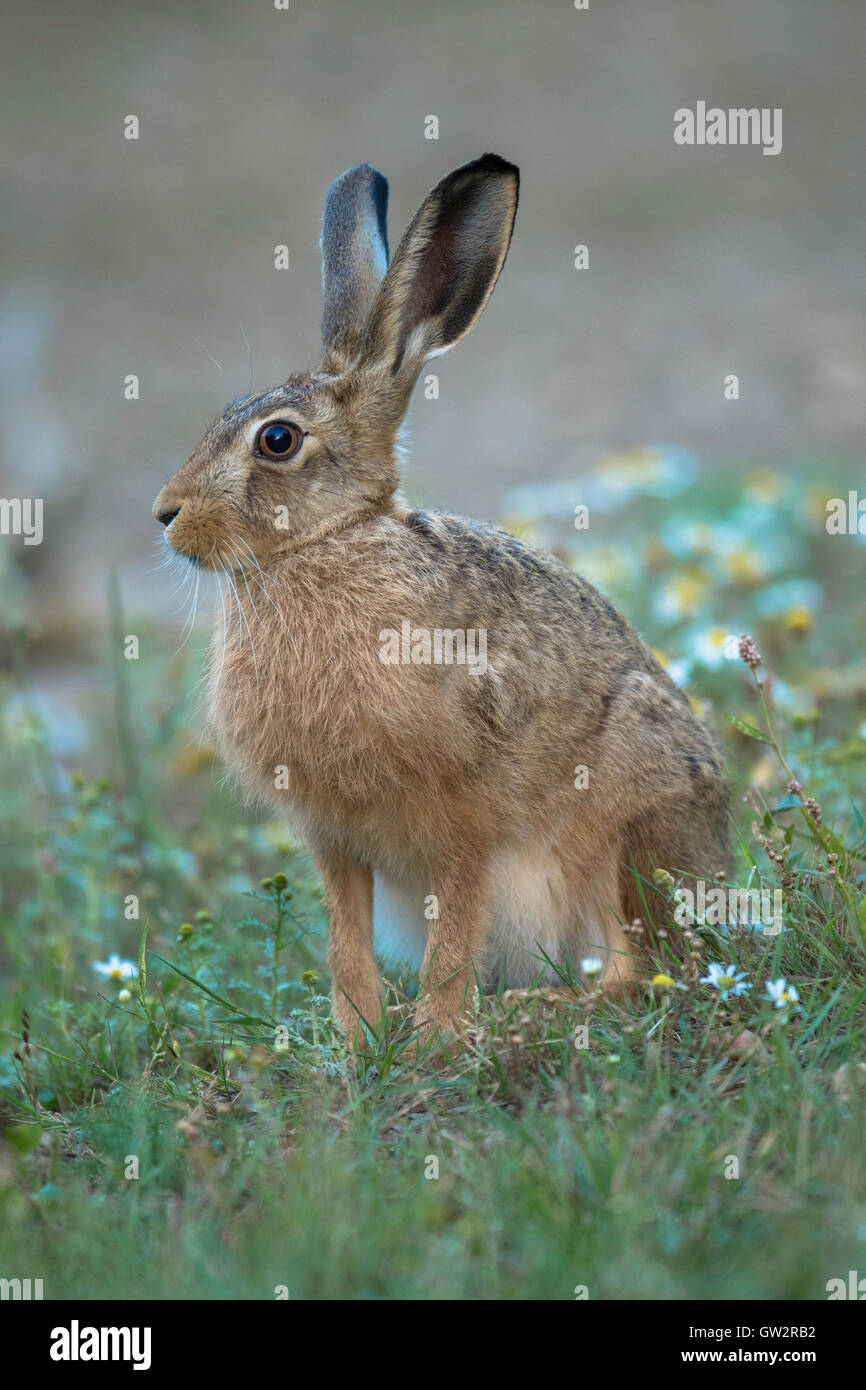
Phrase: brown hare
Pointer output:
(419, 688)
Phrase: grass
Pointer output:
(696, 1147)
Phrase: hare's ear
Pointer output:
(444, 269)
(354, 257)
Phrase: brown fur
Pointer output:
(434, 780)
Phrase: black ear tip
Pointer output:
(494, 164)
(473, 174)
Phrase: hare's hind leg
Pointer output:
(529, 908)
(552, 907)
(658, 784)
(596, 920)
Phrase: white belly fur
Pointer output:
(531, 913)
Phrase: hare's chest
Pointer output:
(348, 729)
(309, 717)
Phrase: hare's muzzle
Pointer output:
(183, 536)
(195, 527)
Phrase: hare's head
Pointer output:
(319, 452)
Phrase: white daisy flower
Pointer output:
(727, 981)
(116, 969)
(781, 994)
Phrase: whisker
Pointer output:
(242, 620)
(191, 603)
(250, 354)
(245, 620)
(264, 590)
(182, 577)
(188, 626)
(204, 349)
(225, 625)
(137, 454)
(163, 552)
(244, 578)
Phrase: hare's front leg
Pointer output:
(358, 992)
(455, 939)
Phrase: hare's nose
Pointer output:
(167, 516)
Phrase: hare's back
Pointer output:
(525, 597)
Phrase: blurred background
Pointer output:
(120, 839)
(155, 257)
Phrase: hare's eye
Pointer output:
(279, 441)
